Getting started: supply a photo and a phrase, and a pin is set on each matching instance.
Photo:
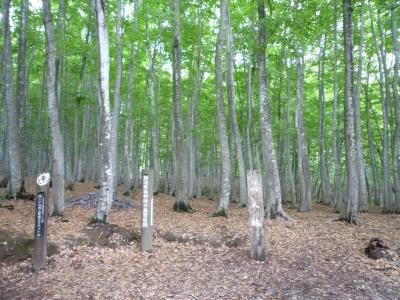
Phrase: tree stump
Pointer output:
(256, 210)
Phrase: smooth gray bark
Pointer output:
(194, 176)
(325, 184)
(256, 211)
(129, 103)
(57, 142)
(77, 151)
(396, 134)
(232, 112)
(349, 212)
(154, 155)
(383, 90)
(117, 98)
(281, 136)
(182, 199)
(371, 146)
(41, 124)
(76, 140)
(302, 149)
(22, 85)
(274, 188)
(225, 183)
(82, 169)
(107, 190)
(78, 145)
(13, 138)
(363, 193)
(155, 148)
(250, 106)
(338, 197)
(290, 181)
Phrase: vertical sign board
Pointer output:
(41, 212)
(256, 210)
(147, 211)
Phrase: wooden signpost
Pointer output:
(256, 209)
(147, 211)
(41, 214)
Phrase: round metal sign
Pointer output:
(43, 179)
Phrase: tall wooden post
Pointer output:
(41, 215)
(256, 209)
(147, 211)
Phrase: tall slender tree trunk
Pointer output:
(60, 92)
(303, 164)
(396, 134)
(291, 185)
(250, 106)
(325, 184)
(349, 212)
(41, 122)
(225, 183)
(371, 147)
(154, 155)
(363, 193)
(274, 188)
(76, 140)
(232, 112)
(57, 142)
(155, 147)
(388, 204)
(387, 191)
(338, 197)
(281, 138)
(173, 172)
(117, 99)
(82, 169)
(13, 138)
(3, 129)
(128, 130)
(22, 86)
(193, 159)
(107, 188)
(78, 151)
(182, 199)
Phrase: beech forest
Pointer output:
(220, 149)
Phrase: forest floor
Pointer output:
(196, 256)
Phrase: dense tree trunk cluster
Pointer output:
(201, 93)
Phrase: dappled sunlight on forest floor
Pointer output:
(196, 256)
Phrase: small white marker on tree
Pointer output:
(256, 210)
(41, 214)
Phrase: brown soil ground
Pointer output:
(312, 257)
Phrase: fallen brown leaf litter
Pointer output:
(196, 256)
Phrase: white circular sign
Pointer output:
(43, 179)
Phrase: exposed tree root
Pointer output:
(220, 212)
(284, 216)
(349, 218)
(95, 220)
(277, 213)
(55, 214)
(181, 206)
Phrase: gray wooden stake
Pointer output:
(147, 211)
(256, 209)
(41, 215)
